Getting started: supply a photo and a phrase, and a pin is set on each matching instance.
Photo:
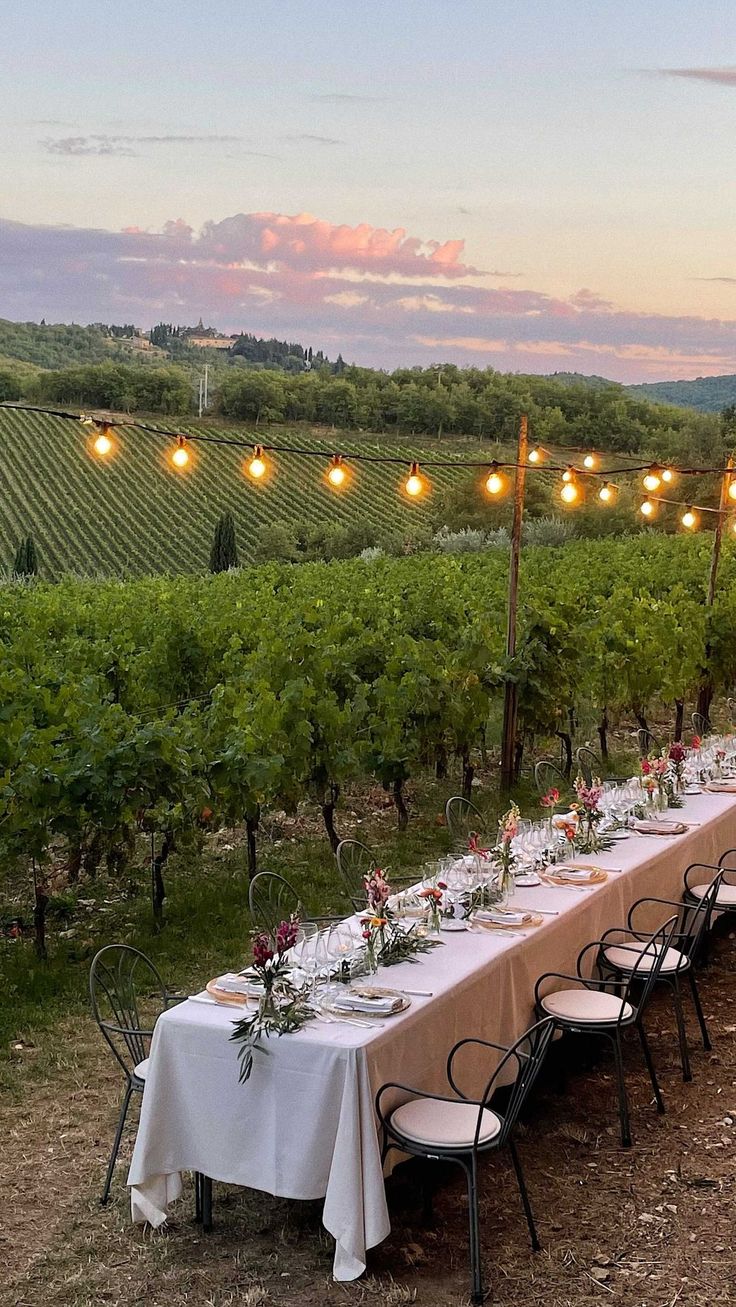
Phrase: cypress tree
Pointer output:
(224, 551)
(26, 558)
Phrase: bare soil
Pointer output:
(648, 1227)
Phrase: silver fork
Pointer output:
(346, 1021)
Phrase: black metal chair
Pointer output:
(591, 1008)
(354, 862)
(589, 764)
(647, 742)
(273, 899)
(127, 995)
(547, 776)
(726, 896)
(458, 1129)
(463, 820)
(623, 948)
(701, 725)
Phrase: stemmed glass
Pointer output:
(304, 952)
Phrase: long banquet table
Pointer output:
(303, 1126)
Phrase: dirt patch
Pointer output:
(649, 1227)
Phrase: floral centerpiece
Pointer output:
(655, 776)
(677, 755)
(719, 761)
(386, 942)
(587, 838)
(433, 895)
(503, 855)
(282, 1007)
(374, 923)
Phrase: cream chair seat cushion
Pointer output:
(444, 1123)
(579, 1006)
(142, 1069)
(632, 954)
(726, 894)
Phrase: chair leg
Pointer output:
(478, 1294)
(524, 1197)
(699, 1011)
(687, 1074)
(206, 1203)
(427, 1194)
(198, 1197)
(623, 1101)
(650, 1067)
(116, 1144)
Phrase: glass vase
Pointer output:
(268, 1009)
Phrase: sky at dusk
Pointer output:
(531, 185)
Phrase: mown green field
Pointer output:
(134, 515)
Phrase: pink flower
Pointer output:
(474, 846)
(286, 934)
(549, 799)
(377, 890)
(262, 950)
(720, 754)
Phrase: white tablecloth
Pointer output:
(303, 1126)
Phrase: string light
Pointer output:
(103, 443)
(732, 488)
(689, 519)
(589, 461)
(337, 473)
(653, 480)
(569, 492)
(180, 456)
(607, 493)
(535, 454)
(494, 481)
(414, 484)
(668, 475)
(646, 508)
(257, 467)
(568, 474)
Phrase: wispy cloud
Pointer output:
(98, 143)
(345, 97)
(382, 296)
(316, 139)
(723, 76)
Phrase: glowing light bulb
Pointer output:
(257, 465)
(535, 455)
(494, 482)
(180, 456)
(102, 444)
(607, 493)
(646, 508)
(569, 492)
(414, 484)
(337, 474)
(732, 489)
(667, 474)
(652, 480)
(689, 519)
(568, 474)
(589, 461)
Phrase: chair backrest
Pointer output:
(701, 725)
(646, 742)
(127, 994)
(524, 1060)
(653, 953)
(698, 916)
(463, 819)
(723, 862)
(547, 775)
(588, 762)
(354, 862)
(272, 900)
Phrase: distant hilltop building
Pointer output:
(197, 341)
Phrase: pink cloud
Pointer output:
(382, 297)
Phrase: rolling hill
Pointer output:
(706, 394)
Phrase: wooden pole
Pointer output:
(705, 694)
(510, 705)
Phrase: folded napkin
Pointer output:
(722, 787)
(384, 1003)
(660, 827)
(572, 873)
(234, 984)
(502, 918)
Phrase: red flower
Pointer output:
(646, 766)
(677, 752)
(696, 742)
(286, 934)
(262, 950)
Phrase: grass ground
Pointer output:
(648, 1228)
